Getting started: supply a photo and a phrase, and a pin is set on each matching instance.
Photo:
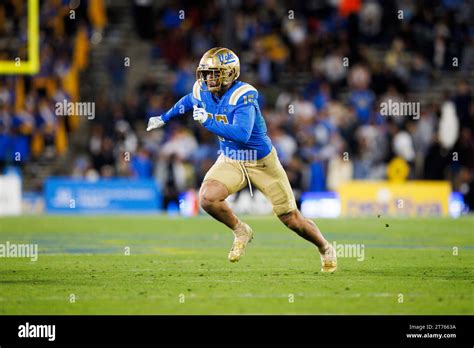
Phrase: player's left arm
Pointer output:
(241, 127)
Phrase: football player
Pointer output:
(228, 108)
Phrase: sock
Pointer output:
(236, 227)
(324, 248)
(240, 229)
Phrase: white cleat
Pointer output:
(328, 259)
(243, 235)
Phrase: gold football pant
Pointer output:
(265, 174)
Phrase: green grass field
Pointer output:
(179, 266)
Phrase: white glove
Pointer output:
(155, 122)
(199, 114)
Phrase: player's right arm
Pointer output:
(183, 105)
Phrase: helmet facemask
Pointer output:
(210, 80)
(218, 69)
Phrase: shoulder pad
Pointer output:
(197, 91)
(239, 92)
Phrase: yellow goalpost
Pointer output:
(31, 66)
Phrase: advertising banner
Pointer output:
(72, 196)
(10, 195)
(410, 198)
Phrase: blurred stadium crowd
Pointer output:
(323, 115)
(29, 127)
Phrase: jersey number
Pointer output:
(219, 118)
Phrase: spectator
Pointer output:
(142, 166)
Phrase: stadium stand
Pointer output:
(320, 109)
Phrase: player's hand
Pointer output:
(155, 122)
(199, 114)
